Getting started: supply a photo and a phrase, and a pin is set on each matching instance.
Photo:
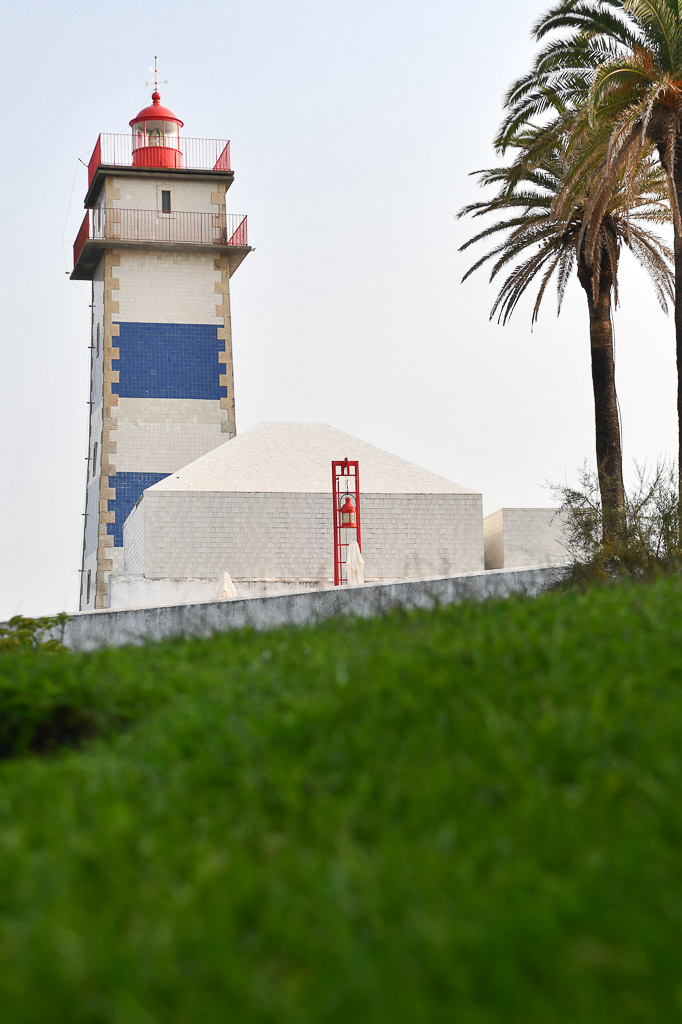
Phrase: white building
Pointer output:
(260, 508)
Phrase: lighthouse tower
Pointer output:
(160, 248)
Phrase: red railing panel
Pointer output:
(223, 161)
(239, 236)
(95, 160)
(117, 150)
(81, 237)
(181, 227)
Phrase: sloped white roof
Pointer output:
(290, 457)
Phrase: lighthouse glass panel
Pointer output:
(154, 130)
(171, 134)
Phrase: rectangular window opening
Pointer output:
(94, 459)
(87, 594)
(165, 201)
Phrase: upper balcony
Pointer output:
(105, 227)
(174, 155)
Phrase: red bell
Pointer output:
(348, 513)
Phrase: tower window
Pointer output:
(94, 458)
(97, 348)
(87, 593)
(165, 201)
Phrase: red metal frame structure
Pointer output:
(345, 481)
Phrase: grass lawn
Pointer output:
(471, 816)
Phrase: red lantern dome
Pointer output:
(155, 112)
(156, 136)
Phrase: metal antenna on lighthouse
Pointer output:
(156, 82)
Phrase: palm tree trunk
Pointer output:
(678, 351)
(606, 419)
(675, 180)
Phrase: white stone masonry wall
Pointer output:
(493, 540)
(289, 535)
(165, 433)
(133, 541)
(517, 537)
(144, 193)
(167, 288)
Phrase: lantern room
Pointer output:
(156, 136)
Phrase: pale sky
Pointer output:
(354, 128)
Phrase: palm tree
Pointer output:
(535, 247)
(627, 54)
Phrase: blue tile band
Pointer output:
(128, 487)
(168, 361)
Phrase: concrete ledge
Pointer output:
(90, 630)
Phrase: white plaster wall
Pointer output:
(167, 288)
(289, 535)
(92, 487)
(144, 193)
(89, 566)
(92, 516)
(92, 490)
(97, 362)
(95, 454)
(163, 434)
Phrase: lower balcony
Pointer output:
(102, 228)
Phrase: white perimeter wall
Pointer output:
(140, 592)
(89, 630)
(289, 536)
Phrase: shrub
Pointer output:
(648, 541)
(36, 714)
(22, 634)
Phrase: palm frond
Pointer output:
(564, 202)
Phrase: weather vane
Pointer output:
(156, 83)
